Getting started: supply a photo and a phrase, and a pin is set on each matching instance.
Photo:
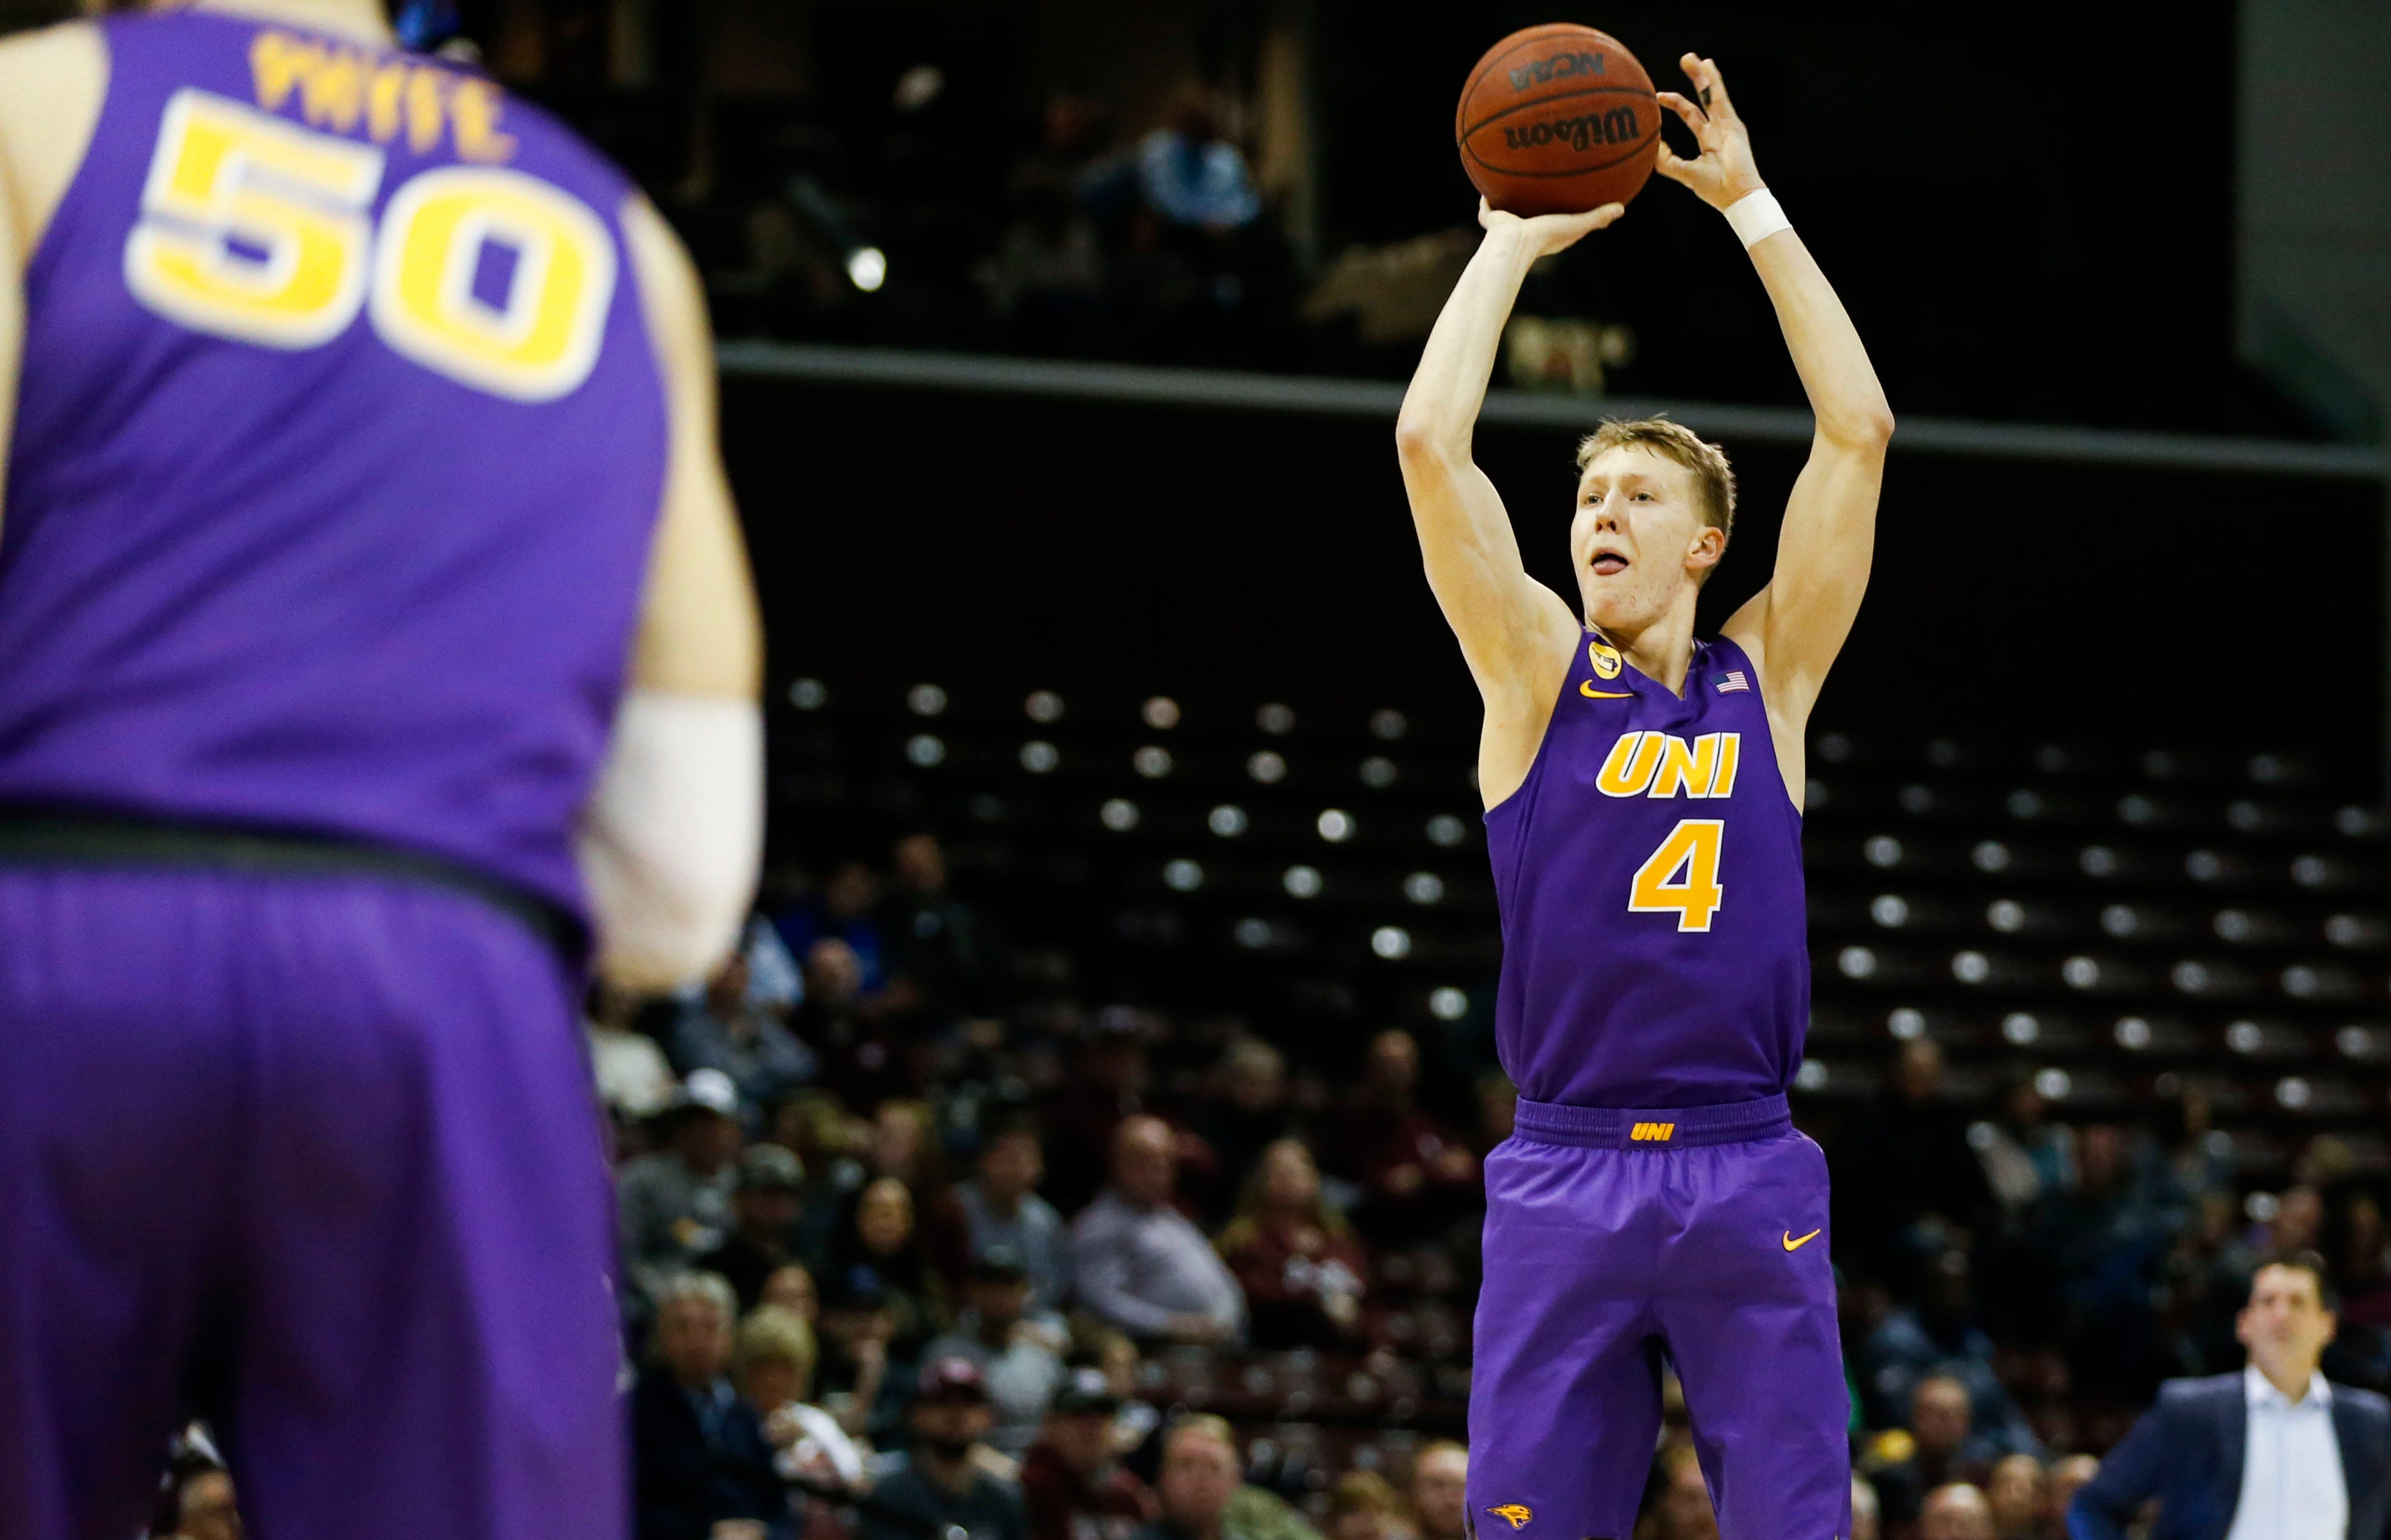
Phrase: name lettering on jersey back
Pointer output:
(1656, 764)
(348, 89)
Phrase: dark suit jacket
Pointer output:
(2186, 1451)
(682, 1484)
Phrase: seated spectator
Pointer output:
(2187, 1162)
(1938, 1335)
(763, 1213)
(1249, 1113)
(905, 1145)
(198, 1501)
(944, 947)
(876, 1253)
(1015, 1361)
(863, 1062)
(699, 1455)
(1868, 1518)
(1072, 1480)
(1678, 1501)
(1203, 1492)
(675, 1203)
(1002, 1208)
(1363, 1507)
(1302, 1271)
(774, 1367)
(791, 1287)
(2066, 1477)
(939, 1488)
(1419, 1174)
(2103, 1244)
(2024, 1155)
(1192, 176)
(1955, 1511)
(856, 1384)
(1441, 1491)
(634, 1080)
(1141, 1265)
(2013, 1493)
(1936, 1450)
(1110, 1078)
(1498, 1109)
(1905, 1179)
(2275, 1450)
(842, 912)
(730, 1030)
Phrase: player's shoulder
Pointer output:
(47, 69)
(53, 81)
(62, 46)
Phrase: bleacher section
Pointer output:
(2121, 923)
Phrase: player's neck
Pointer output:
(1662, 652)
(363, 20)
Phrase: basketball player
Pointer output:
(364, 550)
(1643, 794)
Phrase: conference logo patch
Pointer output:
(1605, 658)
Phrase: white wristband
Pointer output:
(1755, 216)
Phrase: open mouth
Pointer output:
(1608, 563)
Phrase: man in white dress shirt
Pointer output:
(2273, 1453)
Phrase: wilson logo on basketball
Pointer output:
(1653, 1133)
(1559, 67)
(1614, 127)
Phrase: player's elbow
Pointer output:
(1420, 439)
(1867, 428)
(673, 837)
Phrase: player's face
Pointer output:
(1638, 542)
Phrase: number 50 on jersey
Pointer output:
(255, 230)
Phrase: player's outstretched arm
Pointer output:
(670, 843)
(1515, 634)
(1795, 626)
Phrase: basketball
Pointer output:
(1557, 119)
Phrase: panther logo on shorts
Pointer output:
(1514, 1514)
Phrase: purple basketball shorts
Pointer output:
(1614, 1238)
(318, 1155)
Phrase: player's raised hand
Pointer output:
(1724, 171)
(1545, 233)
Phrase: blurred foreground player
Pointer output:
(1643, 811)
(365, 550)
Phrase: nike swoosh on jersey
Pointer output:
(1793, 1245)
(1586, 688)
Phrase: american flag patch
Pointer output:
(1729, 683)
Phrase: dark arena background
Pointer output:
(1120, 762)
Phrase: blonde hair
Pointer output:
(771, 1334)
(1365, 1492)
(1713, 478)
(1206, 1425)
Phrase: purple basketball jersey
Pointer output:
(338, 453)
(1649, 875)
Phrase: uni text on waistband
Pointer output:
(1653, 1128)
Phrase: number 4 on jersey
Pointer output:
(1692, 847)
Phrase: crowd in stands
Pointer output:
(1068, 236)
(914, 1239)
